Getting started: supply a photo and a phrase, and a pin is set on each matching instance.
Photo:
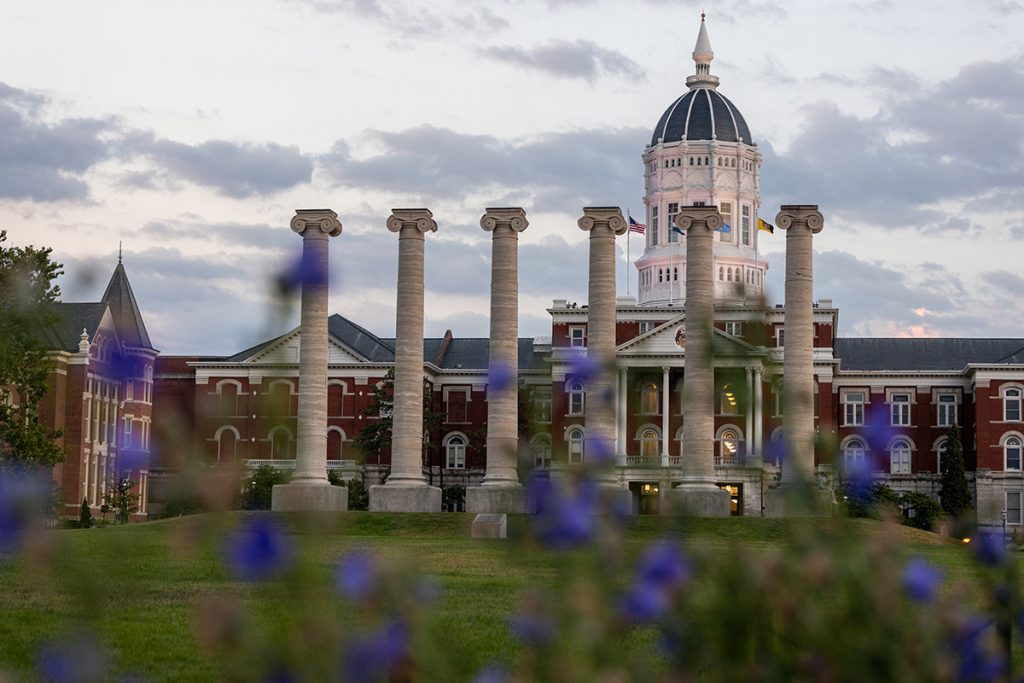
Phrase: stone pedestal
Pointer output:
(309, 489)
(489, 526)
(698, 493)
(798, 500)
(495, 498)
(308, 498)
(405, 498)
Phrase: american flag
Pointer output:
(636, 227)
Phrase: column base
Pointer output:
(495, 499)
(798, 500)
(405, 498)
(489, 526)
(701, 500)
(308, 498)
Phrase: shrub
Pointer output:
(84, 515)
(358, 496)
(453, 498)
(258, 487)
(920, 511)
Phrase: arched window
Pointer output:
(729, 439)
(280, 395)
(228, 390)
(776, 449)
(1011, 404)
(660, 275)
(335, 443)
(721, 273)
(649, 442)
(336, 392)
(1012, 447)
(675, 274)
(728, 274)
(679, 439)
(541, 446)
(455, 452)
(576, 398)
(854, 455)
(729, 400)
(941, 445)
(899, 456)
(575, 438)
(649, 398)
(227, 443)
(280, 443)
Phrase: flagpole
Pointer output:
(629, 233)
(671, 259)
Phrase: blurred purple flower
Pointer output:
(562, 518)
(131, 461)
(857, 475)
(583, 368)
(532, 629)
(354, 578)
(877, 428)
(427, 590)
(305, 270)
(644, 603)
(78, 658)
(990, 548)
(976, 662)
(258, 549)
(280, 673)
(663, 569)
(24, 498)
(492, 673)
(921, 579)
(500, 377)
(600, 451)
(372, 657)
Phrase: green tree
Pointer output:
(85, 515)
(121, 498)
(954, 494)
(258, 490)
(27, 293)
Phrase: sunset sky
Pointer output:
(192, 130)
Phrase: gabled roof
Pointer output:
(125, 310)
(891, 354)
(359, 339)
(72, 318)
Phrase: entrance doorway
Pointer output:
(646, 497)
(735, 498)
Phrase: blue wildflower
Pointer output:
(990, 548)
(600, 450)
(354, 577)
(372, 657)
(920, 580)
(663, 569)
(258, 549)
(563, 518)
(491, 673)
(976, 663)
(583, 368)
(500, 377)
(306, 270)
(532, 628)
(24, 496)
(77, 659)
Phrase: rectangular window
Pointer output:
(577, 338)
(654, 226)
(129, 390)
(899, 409)
(646, 326)
(725, 208)
(734, 328)
(127, 433)
(1013, 504)
(88, 420)
(780, 336)
(542, 406)
(946, 410)
(456, 407)
(853, 408)
(673, 209)
(745, 225)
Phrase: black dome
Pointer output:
(702, 114)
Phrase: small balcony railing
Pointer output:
(290, 464)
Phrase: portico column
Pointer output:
(500, 490)
(665, 412)
(309, 488)
(801, 223)
(698, 493)
(603, 224)
(406, 490)
(758, 419)
(622, 397)
(748, 455)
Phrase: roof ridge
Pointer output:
(361, 329)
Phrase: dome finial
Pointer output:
(702, 57)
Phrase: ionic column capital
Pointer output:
(313, 221)
(513, 218)
(800, 215)
(698, 217)
(602, 216)
(420, 219)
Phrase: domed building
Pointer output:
(701, 154)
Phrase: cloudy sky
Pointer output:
(192, 130)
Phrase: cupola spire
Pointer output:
(702, 57)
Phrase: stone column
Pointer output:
(758, 451)
(698, 493)
(665, 413)
(603, 224)
(500, 490)
(309, 488)
(801, 223)
(623, 401)
(406, 490)
(749, 441)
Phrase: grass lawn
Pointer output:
(148, 589)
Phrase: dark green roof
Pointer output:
(916, 355)
(66, 331)
(125, 310)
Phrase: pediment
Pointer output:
(669, 339)
(286, 350)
